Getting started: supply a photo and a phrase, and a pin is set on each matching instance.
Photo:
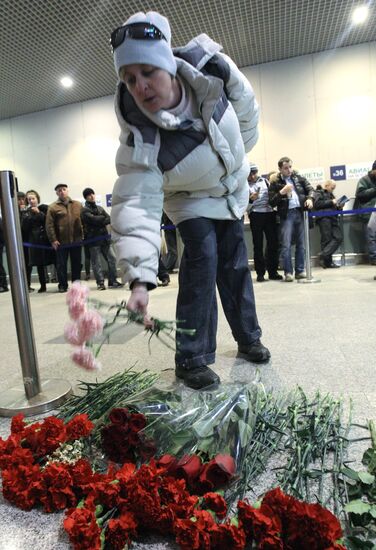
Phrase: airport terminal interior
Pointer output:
(312, 67)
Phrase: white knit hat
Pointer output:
(253, 167)
(157, 53)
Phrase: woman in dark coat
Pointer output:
(33, 228)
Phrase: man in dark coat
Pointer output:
(291, 193)
(95, 221)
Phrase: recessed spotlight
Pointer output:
(66, 81)
(360, 14)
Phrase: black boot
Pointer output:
(198, 378)
(255, 352)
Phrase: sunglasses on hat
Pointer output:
(137, 31)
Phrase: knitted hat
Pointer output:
(60, 185)
(87, 191)
(374, 165)
(157, 53)
(253, 167)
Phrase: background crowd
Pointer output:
(277, 200)
(276, 205)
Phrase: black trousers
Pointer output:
(264, 223)
(62, 255)
(331, 237)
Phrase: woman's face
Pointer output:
(32, 200)
(151, 88)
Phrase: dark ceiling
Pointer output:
(43, 40)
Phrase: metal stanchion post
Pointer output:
(341, 226)
(309, 278)
(37, 396)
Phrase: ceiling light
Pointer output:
(66, 81)
(360, 14)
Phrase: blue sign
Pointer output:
(338, 173)
(109, 199)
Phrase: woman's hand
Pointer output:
(139, 299)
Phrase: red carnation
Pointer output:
(58, 482)
(313, 525)
(187, 535)
(18, 484)
(216, 503)
(18, 424)
(259, 526)
(79, 426)
(119, 532)
(83, 529)
(227, 536)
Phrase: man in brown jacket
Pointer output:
(64, 230)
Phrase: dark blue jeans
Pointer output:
(105, 251)
(214, 254)
(62, 255)
(293, 228)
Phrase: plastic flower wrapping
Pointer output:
(202, 437)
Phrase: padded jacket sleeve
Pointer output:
(242, 97)
(135, 218)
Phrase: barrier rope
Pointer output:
(323, 213)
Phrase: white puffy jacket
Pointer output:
(188, 172)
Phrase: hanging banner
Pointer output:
(313, 175)
(358, 170)
(109, 199)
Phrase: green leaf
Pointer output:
(358, 507)
(348, 472)
(245, 432)
(373, 511)
(366, 478)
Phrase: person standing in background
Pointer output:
(34, 229)
(330, 231)
(95, 221)
(262, 220)
(22, 206)
(64, 229)
(290, 193)
(366, 198)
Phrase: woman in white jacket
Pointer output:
(187, 117)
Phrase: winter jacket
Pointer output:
(324, 201)
(303, 188)
(365, 196)
(198, 171)
(95, 221)
(33, 227)
(63, 222)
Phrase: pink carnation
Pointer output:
(76, 299)
(73, 334)
(90, 324)
(84, 358)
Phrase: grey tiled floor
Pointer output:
(320, 336)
